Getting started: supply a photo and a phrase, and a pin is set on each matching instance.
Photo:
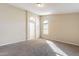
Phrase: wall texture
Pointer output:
(63, 27)
(12, 24)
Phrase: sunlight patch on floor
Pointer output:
(56, 49)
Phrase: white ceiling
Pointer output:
(49, 8)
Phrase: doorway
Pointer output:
(33, 28)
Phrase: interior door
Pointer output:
(32, 30)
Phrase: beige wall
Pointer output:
(12, 24)
(63, 27)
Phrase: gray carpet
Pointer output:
(37, 48)
(27, 48)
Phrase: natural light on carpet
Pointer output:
(56, 49)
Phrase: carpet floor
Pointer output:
(39, 47)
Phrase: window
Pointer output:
(45, 27)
